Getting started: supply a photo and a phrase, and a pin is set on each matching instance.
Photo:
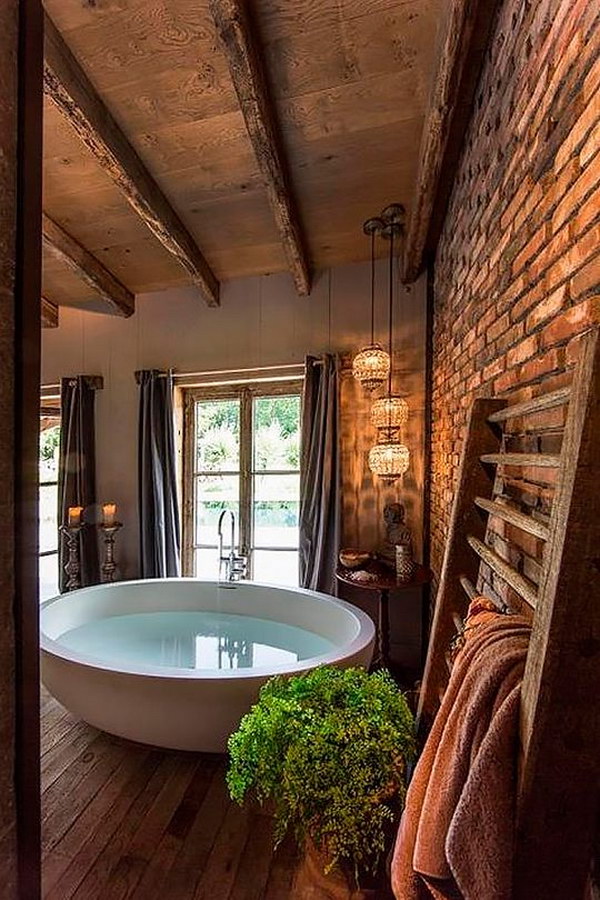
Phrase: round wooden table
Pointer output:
(383, 580)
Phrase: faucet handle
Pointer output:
(239, 566)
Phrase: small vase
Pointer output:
(405, 565)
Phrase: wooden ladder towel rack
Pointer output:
(560, 702)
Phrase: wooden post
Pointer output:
(560, 706)
(21, 55)
(474, 480)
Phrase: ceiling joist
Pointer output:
(49, 313)
(67, 85)
(65, 248)
(243, 55)
(467, 34)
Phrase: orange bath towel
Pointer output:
(456, 836)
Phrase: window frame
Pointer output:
(246, 393)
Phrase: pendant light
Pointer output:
(389, 458)
(371, 365)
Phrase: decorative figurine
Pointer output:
(397, 549)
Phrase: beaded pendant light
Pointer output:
(389, 458)
(371, 365)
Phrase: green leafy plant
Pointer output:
(329, 750)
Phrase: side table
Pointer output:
(382, 581)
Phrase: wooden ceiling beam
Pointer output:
(49, 313)
(467, 36)
(89, 269)
(242, 49)
(67, 85)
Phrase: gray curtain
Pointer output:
(160, 541)
(320, 480)
(77, 474)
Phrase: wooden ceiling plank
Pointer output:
(241, 47)
(49, 313)
(466, 38)
(66, 84)
(64, 247)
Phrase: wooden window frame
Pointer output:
(246, 393)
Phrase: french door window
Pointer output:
(243, 454)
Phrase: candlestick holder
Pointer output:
(72, 566)
(109, 565)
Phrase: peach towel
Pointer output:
(456, 835)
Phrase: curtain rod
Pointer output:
(291, 368)
(238, 371)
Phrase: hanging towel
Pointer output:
(455, 840)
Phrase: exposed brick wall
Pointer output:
(517, 269)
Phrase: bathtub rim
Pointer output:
(365, 636)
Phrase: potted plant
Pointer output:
(328, 751)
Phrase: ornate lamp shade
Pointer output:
(388, 459)
(371, 366)
(389, 412)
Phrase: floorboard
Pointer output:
(122, 821)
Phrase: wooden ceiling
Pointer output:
(348, 83)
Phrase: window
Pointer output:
(48, 495)
(243, 454)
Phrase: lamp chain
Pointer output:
(372, 287)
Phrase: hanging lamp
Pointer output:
(389, 458)
(371, 365)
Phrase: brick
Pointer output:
(542, 366)
(586, 279)
(587, 181)
(586, 121)
(573, 321)
(522, 351)
(547, 308)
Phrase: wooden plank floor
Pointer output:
(123, 820)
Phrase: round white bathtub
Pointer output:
(177, 662)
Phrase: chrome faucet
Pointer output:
(234, 564)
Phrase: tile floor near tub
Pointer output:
(123, 820)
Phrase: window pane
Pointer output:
(207, 564)
(276, 567)
(276, 503)
(48, 524)
(276, 433)
(48, 576)
(49, 441)
(214, 493)
(218, 436)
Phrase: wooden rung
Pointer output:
(539, 460)
(458, 622)
(448, 662)
(468, 587)
(546, 401)
(514, 517)
(517, 582)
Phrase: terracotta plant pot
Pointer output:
(311, 882)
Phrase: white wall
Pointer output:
(261, 322)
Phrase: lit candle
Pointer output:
(109, 513)
(74, 516)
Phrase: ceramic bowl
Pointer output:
(352, 559)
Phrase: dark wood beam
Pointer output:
(49, 313)
(242, 49)
(64, 247)
(466, 39)
(67, 85)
